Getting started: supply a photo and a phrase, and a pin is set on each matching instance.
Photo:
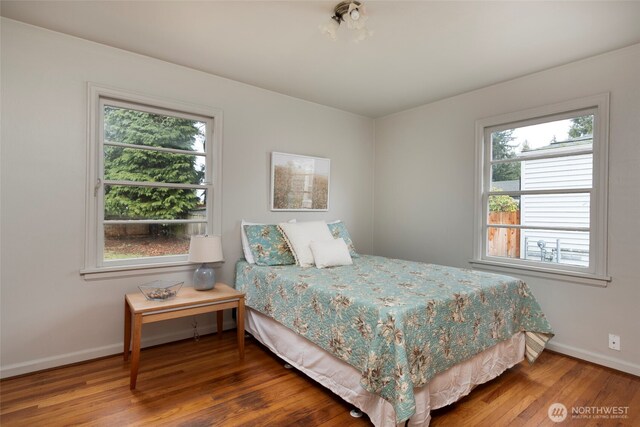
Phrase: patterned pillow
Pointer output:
(338, 230)
(267, 245)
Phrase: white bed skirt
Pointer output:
(344, 380)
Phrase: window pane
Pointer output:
(560, 136)
(543, 174)
(504, 209)
(131, 164)
(129, 202)
(122, 241)
(128, 126)
(544, 246)
(506, 176)
(549, 210)
(555, 210)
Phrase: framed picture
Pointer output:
(299, 183)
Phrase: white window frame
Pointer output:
(596, 273)
(94, 264)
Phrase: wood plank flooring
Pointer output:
(203, 383)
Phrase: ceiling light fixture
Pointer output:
(351, 12)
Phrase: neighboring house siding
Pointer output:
(568, 210)
(559, 172)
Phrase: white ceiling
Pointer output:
(420, 51)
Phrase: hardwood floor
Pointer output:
(203, 383)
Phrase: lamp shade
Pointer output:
(205, 249)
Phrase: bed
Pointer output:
(394, 338)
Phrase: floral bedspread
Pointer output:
(398, 322)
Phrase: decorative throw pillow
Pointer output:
(330, 253)
(339, 230)
(245, 242)
(300, 235)
(267, 245)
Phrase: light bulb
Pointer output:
(355, 15)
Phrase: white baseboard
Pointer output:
(599, 359)
(96, 352)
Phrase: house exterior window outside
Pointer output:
(541, 183)
(571, 210)
(572, 169)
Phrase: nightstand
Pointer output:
(189, 302)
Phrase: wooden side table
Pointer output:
(188, 302)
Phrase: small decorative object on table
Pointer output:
(160, 290)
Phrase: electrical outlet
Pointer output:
(614, 342)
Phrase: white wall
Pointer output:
(424, 183)
(49, 314)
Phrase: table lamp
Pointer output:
(205, 249)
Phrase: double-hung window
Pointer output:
(541, 190)
(154, 180)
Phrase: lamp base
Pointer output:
(204, 278)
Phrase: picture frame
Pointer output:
(299, 183)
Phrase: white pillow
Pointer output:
(300, 234)
(330, 253)
(245, 241)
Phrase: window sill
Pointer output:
(545, 273)
(135, 270)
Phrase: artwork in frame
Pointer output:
(299, 183)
